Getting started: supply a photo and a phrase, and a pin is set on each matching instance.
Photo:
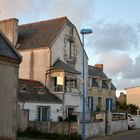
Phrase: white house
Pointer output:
(35, 98)
(52, 54)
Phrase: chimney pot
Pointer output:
(99, 66)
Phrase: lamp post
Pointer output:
(83, 32)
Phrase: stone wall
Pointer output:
(54, 127)
(23, 119)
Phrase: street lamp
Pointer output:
(83, 32)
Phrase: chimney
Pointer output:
(10, 29)
(99, 66)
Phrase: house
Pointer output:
(101, 91)
(133, 95)
(35, 98)
(122, 98)
(52, 54)
(9, 69)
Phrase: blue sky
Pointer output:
(115, 24)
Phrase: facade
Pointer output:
(52, 54)
(35, 98)
(101, 92)
(9, 68)
(133, 95)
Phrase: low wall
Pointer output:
(54, 127)
(118, 126)
(93, 129)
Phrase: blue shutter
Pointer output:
(111, 104)
(92, 104)
(107, 104)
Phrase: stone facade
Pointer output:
(101, 92)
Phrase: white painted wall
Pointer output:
(70, 99)
(33, 110)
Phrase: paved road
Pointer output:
(128, 135)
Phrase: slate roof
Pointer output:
(96, 72)
(40, 34)
(60, 65)
(7, 49)
(93, 71)
(34, 91)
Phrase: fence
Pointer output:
(97, 124)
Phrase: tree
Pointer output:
(132, 109)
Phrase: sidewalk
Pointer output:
(115, 135)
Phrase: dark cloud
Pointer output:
(114, 36)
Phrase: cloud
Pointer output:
(115, 36)
(77, 11)
(114, 63)
(133, 71)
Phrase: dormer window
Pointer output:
(109, 85)
(100, 84)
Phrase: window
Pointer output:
(70, 111)
(69, 49)
(109, 85)
(91, 103)
(100, 84)
(44, 113)
(57, 84)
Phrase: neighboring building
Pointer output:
(36, 99)
(122, 98)
(9, 68)
(52, 54)
(101, 91)
(133, 95)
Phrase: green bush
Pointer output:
(71, 118)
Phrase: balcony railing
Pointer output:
(58, 88)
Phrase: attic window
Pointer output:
(23, 89)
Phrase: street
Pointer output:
(128, 135)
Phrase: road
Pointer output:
(128, 135)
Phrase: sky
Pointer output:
(115, 24)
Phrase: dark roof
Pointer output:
(96, 72)
(60, 65)
(7, 49)
(34, 91)
(40, 34)
(93, 71)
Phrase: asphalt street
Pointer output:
(127, 135)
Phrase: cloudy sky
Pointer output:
(115, 24)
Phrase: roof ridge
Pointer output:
(41, 21)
